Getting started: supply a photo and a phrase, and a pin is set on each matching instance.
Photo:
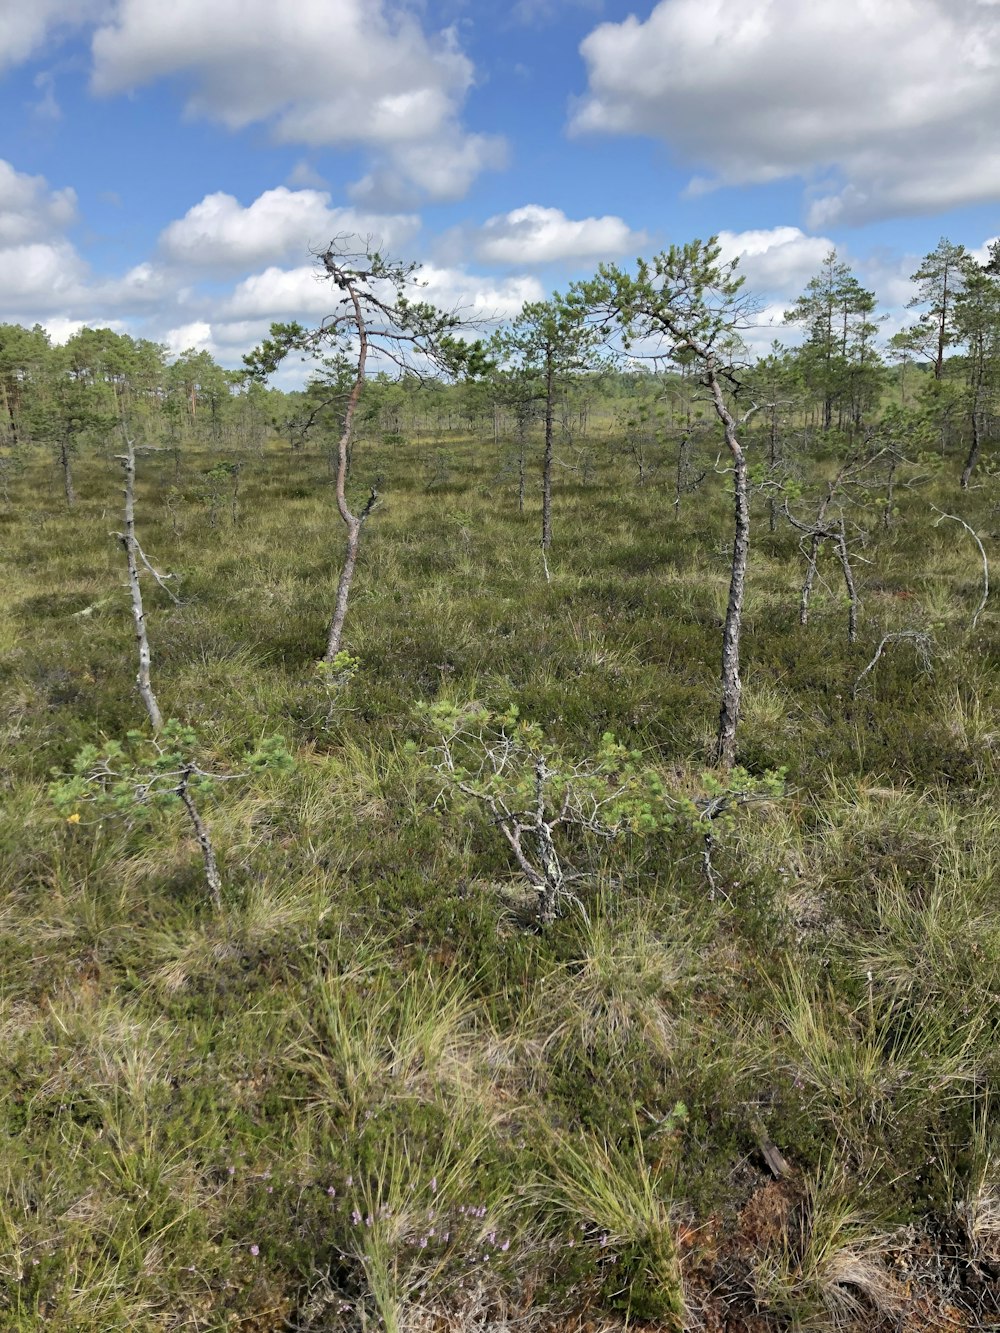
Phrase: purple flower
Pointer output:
(255, 1250)
(505, 1246)
(434, 1184)
(355, 1217)
(331, 1191)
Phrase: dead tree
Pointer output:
(836, 533)
(132, 556)
(374, 325)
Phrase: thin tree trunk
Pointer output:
(551, 868)
(130, 546)
(732, 684)
(343, 590)
(212, 876)
(66, 463)
(852, 592)
(814, 549)
(942, 325)
(807, 586)
(547, 463)
(973, 457)
(352, 522)
(772, 458)
(890, 486)
(681, 470)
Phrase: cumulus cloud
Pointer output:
(305, 293)
(219, 232)
(196, 335)
(778, 261)
(481, 300)
(890, 103)
(321, 72)
(41, 277)
(29, 209)
(537, 235)
(26, 26)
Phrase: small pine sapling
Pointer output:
(536, 797)
(157, 772)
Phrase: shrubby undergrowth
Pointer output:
(750, 1085)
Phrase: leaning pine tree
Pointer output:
(374, 325)
(687, 305)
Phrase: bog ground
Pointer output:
(371, 1092)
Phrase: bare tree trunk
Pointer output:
(547, 463)
(212, 875)
(343, 589)
(814, 549)
(66, 463)
(852, 592)
(890, 485)
(521, 479)
(732, 684)
(681, 470)
(353, 522)
(772, 458)
(973, 457)
(807, 586)
(130, 546)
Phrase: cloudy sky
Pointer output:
(166, 166)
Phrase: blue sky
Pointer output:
(166, 167)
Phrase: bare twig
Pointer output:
(921, 641)
(982, 551)
(157, 575)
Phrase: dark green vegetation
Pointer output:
(745, 1082)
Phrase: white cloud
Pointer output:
(442, 168)
(29, 210)
(779, 261)
(982, 252)
(279, 292)
(25, 25)
(219, 232)
(479, 299)
(319, 72)
(305, 293)
(197, 334)
(41, 277)
(896, 98)
(537, 235)
(60, 329)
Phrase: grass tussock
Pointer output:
(754, 1092)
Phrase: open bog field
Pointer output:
(749, 1084)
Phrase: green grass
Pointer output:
(368, 1094)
